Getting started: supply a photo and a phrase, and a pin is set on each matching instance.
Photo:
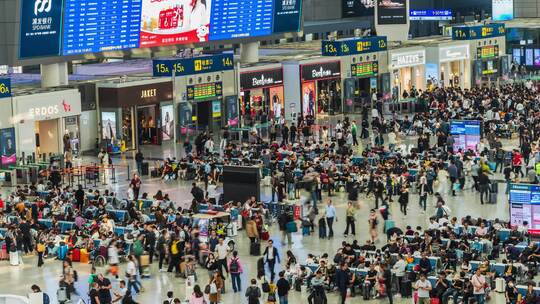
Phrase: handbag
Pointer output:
(291, 227)
(213, 288)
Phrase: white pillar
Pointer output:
(54, 74)
(249, 52)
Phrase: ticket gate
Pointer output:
(33, 172)
(7, 178)
(22, 174)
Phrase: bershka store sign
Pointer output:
(321, 70)
(261, 79)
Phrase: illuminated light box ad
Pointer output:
(525, 206)
(466, 134)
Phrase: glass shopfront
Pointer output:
(321, 88)
(261, 95)
(408, 71)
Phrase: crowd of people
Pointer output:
(297, 158)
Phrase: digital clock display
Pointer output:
(204, 91)
(362, 69)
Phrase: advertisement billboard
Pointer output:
(287, 16)
(466, 134)
(41, 26)
(108, 125)
(502, 10)
(525, 206)
(7, 146)
(357, 8)
(171, 22)
(392, 11)
(96, 26)
(167, 122)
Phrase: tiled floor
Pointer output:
(18, 279)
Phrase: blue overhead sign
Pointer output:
(5, 87)
(354, 46)
(430, 15)
(478, 31)
(41, 27)
(190, 66)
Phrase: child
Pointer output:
(322, 228)
(272, 298)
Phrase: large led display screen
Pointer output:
(525, 206)
(357, 8)
(466, 134)
(93, 26)
(502, 10)
(392, 11)
(174, 22)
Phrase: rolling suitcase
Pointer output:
(492, 198)
(322, 232)
(255, 249)
(499, 285)
(494, 187)
(144, 168)
(61, 295)
(76, 255)
(3, 253)
(62, 252)
(14, 258)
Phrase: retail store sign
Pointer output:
(261, 79)
(400, 60)
(354, 46)
(5, 87)
(191, 66)
(321, 70)
(452, 53)
(46, 112)
(148, 93)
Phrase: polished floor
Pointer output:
(18, 279)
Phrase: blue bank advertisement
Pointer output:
(41, 23)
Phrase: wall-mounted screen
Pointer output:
(502, 10)
(529, 57)
(357, 8)
(525, 206)
(392, 11)
(108, 125)
(167, 122)
(466, 134)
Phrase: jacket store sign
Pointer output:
(321, 71)
(261, 79)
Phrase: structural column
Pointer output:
(249, 52)
(54, 74)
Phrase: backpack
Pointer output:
(234, 267)
(46, 299)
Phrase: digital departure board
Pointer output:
(237, 19)
(204, 91)
(92, 26)
(365, 69)
(525, 206)
(488, 51)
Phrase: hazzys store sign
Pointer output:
(41, 22)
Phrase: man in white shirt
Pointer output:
(423, 286)
(479, 282)
(399, 270)
(221, 252)
(391, 140)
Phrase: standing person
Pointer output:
(221, 252)
(94, 293)
(283, 219)
(139, 158)
(453, 175)
(342, 281)
(387, 277)
(483, 185)
(404, 200)
(162, 248)
(350, 219)
(68, 158)
(197, 297)
(136, 185)
(132, 271)
(40, 248)
(330, 214)
(105, 287)
(293, 130)
(373, 222)
(253, 293)
(285, 134)
(235, 269)
(479, 286)
(283, 287)
(216, 286)
(79, 197)
(271, 255)
(423, 287)
(399, 269)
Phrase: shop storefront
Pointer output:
(261, 93)
(135, 113)
(407, 66)
(363, 62)
(206, 97)
(487, 44)
(448, 65)
(320, 87)
(47, 122)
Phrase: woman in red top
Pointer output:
(517, 161)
